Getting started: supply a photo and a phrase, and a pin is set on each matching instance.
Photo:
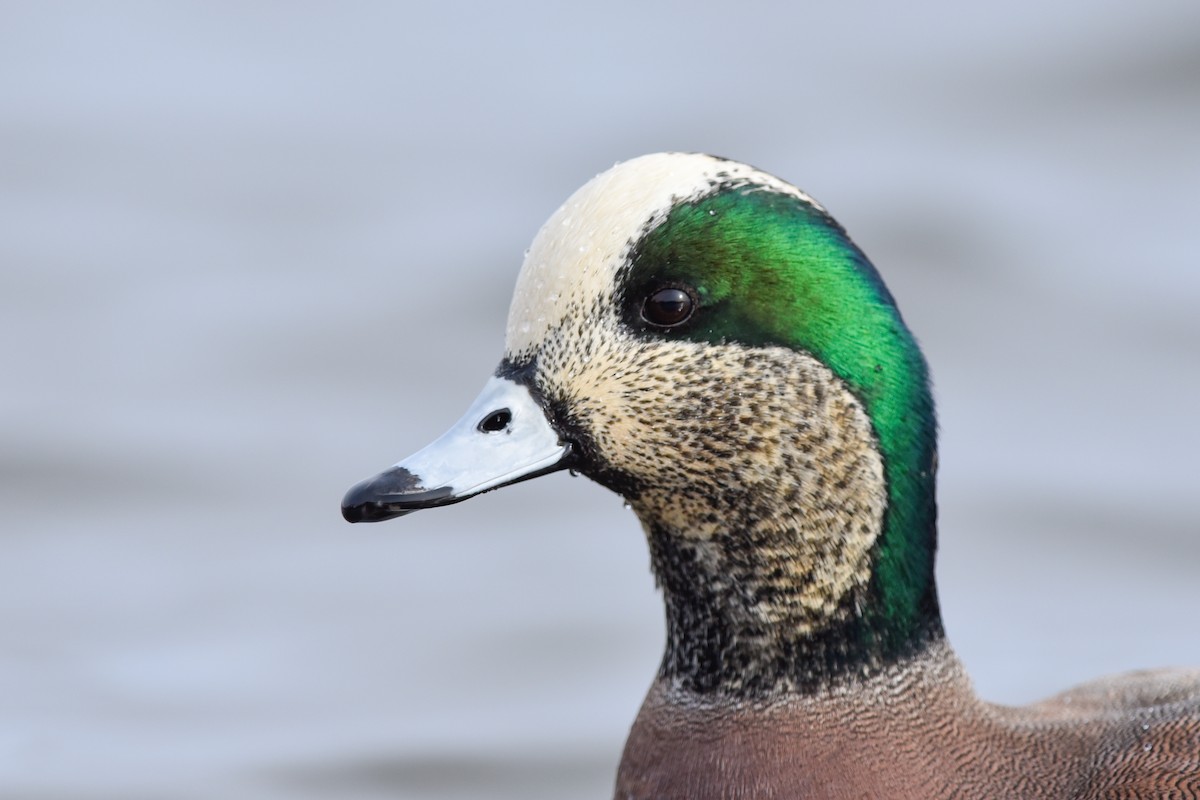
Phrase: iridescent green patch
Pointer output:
(771, 269)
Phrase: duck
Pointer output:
(705, 340)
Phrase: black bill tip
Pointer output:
(391, 494)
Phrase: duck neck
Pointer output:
(734, 629)
(774, 603)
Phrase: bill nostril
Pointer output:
(496, 421)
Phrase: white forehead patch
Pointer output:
(576, 254)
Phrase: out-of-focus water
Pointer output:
(249, 255)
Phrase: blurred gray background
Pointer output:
(252, 253)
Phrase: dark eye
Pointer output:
(668, 307)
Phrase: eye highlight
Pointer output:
(668, 307)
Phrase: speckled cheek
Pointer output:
(733, 443)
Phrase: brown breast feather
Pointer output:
(919, 731)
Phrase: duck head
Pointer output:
(704, 339)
